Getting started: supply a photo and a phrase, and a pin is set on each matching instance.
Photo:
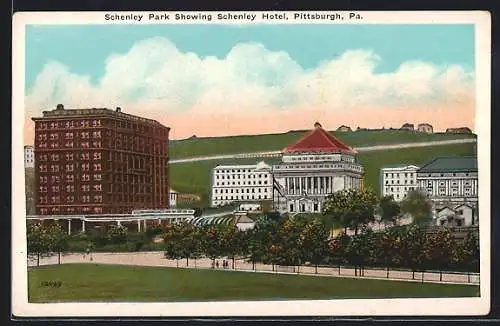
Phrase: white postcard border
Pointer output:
(345, 307)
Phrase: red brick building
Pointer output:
(98, 161)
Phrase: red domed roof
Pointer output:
(319, 140)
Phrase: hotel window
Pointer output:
(97, 167)
(53, 125)
(96, 123)
(43, 200)
(54, 179)
(55, 199)
(96, 144)
(69, 144)
(70, 199)
(86, 198)
(85, 177)
(42, 136)
(43, 168)
(43, 157)
(70, 167)
(54, 168)
(98, 199)
(85, 156)
(43, 189)
(85, 144)
(44, 211)
(54, 145)
(54, 136)
(70, 178)
(70, 188)
(43, 179)
(42, 145)
(69, 157)
(85, 188)
(96, 134)
(97, 177)
(69, 135)
(85, 166)
(97, 187)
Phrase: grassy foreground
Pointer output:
(194, 177)
(85, 282)
(255, 143)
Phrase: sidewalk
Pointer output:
(157, 259)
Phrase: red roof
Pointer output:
(319, 140)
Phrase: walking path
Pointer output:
(359, 149)
(158, 259)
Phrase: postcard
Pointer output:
(232, 164)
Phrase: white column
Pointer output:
(69, 227)
(300, 185)
(118, 223)
(83, 225)
(138, 225)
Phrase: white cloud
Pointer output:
(155, 76)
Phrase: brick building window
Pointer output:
(85, 135)
(97, 187)
(97, 167)
(42, 137)
(97, 156)
(42, 144)
(54, 168)
(70, 188)
(70, 178)
(54, 145)
(43, 200)
(85, 144)
(98, 199)
(96, 134)
(43, 179)
(85, 177)
(54, 179)
(85, 188)
(44, 211)
(96, 144)
(86, 199)
(85, 166)
(85, 156)
(69, 157)
(70, 199)
(69, 144)
(54, 136)
(43, 157)
(97, 177)
(55, 188)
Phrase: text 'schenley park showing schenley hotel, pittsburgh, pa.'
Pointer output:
(219, 162)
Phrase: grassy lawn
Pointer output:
(269, 142)
(85, 282)
(195, 177)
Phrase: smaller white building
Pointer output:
(398, 180)
(425, 127)
(29, 156)
(249, 207)
(241, 183)
(458, 216)
(173, 198)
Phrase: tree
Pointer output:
(231, 242)
(351, 208)
(57, 240)
(44, 240)
(313, 240)
(286, 249)
(171, 242)
(440, 249)
(210, 242)
(116, 234)
(418, 206)
(389, 210)
(413, 248)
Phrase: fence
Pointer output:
(157, 258)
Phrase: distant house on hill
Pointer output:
(361, 129)
(462, 130)
(344, 128)
(425, 127)
(408, 126)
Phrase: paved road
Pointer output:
(359, 149)
(157, 259)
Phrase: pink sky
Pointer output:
(226, 124)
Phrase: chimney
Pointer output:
(60, 107)
(118, 109)
(317, 125)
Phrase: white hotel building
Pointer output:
(29, 156)
(313, 168)
(450, 181)
(397, 180)
(241, 183)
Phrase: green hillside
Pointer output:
(195, 177)
(245, 144)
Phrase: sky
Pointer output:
(216, 80)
